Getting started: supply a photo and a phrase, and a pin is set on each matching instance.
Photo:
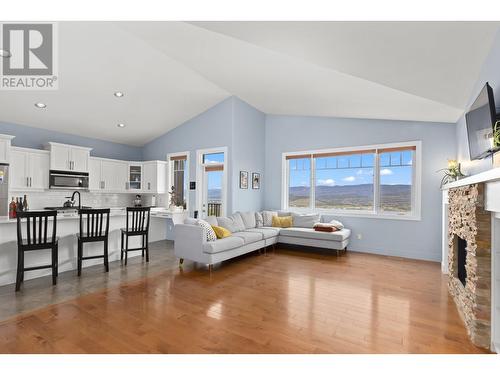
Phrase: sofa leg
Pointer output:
(210, 268)
(338, 253)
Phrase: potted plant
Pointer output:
(452, 173)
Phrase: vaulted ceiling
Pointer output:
(172, 71)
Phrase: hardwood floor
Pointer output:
(287, 302)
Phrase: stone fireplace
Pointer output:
(469, 259)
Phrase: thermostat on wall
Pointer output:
(192, 185)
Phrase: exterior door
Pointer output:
(213, 192)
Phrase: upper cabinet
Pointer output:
(106, 175)
(155, 177)
(135, 177)
(5, 147)
(29, 169)
(68, 158)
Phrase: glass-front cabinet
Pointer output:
(135, 177)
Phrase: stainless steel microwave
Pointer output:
(69, 180)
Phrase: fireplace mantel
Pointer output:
(487, 176)
(491, 181)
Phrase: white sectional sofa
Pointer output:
(190, 241)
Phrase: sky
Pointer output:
(214, 177)
(395, 168)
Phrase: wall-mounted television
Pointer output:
(480, 120)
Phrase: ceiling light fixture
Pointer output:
(4, 53)
(118, 94)
(120, 125)
(41, 105)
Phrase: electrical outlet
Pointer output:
(359, 236)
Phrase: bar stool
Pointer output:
(37, 238)
(137, 225)
(94, 219)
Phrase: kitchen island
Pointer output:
(68, 226)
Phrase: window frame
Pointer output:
(416, 187)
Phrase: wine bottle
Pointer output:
(25, 203)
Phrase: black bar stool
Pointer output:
(97, 229)
(137, 225)
(37, 238)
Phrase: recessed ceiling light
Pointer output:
(118, 94)
(120, 125)
(40, 105)
(5, 53)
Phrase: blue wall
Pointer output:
(490, 72)
(233, 124)
(27, 136)
(413, 239)
(212, 128)
(248, 155)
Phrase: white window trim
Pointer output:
(199, 177)
(171, 175)
(416, 186)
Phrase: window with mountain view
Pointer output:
(372, 181)
(396, 176)
(299, 186)
(344, 182)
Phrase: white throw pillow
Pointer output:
(207, 230)
(212, 220)
(233, 223)
(268, 217)
(305, 221)
(248, 219)
(259, 220)
(337, 224)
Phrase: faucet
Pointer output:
(79, 198)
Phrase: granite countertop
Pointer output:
(160, 212)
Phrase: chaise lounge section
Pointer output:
(248, 234)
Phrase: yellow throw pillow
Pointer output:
(221, 232)
(282, 221)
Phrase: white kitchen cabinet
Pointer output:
(29, 169)
(68, 158)
(95, 179)
(114, 175)
(5, 141)
(155, 177)
(106, 175)
(135, 177)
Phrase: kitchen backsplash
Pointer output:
(39, 200)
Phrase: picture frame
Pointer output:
(243, 180)
(255, 180)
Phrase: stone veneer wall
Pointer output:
(469, 220)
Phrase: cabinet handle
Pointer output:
(30, 182)
(149, 185)
(27, 181)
